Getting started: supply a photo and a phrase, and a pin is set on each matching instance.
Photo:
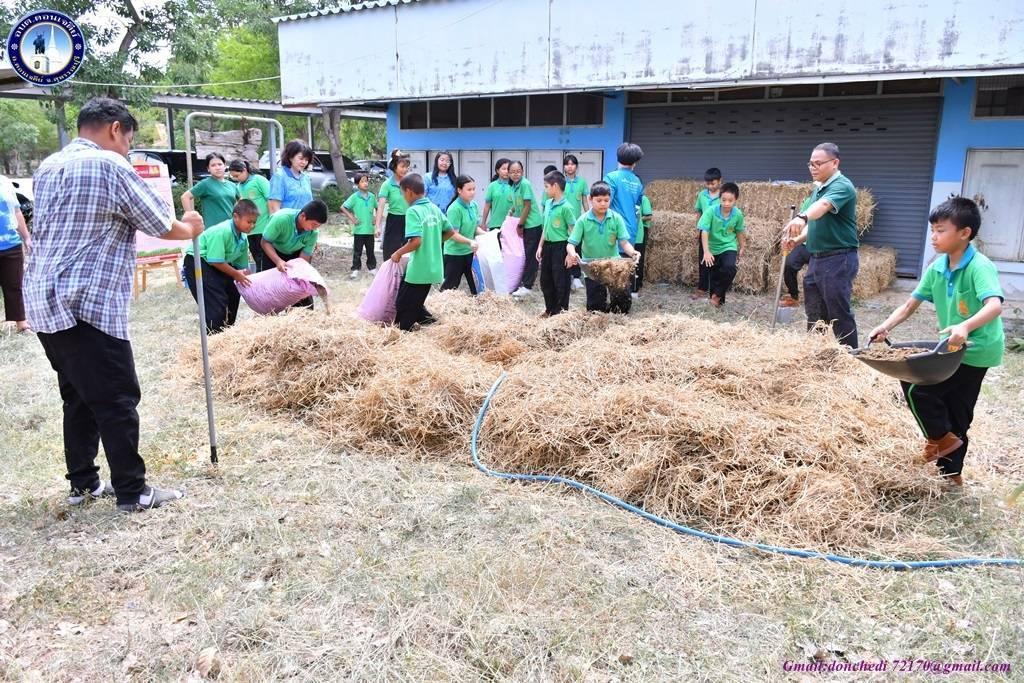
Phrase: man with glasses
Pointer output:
(829, 227)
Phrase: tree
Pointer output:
(17, 136)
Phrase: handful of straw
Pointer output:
(610, 272)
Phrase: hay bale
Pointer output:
(616, 273)
(877, 271)
(763, 200)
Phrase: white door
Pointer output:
(477, 165)
(510, 154)
(591, 166)
(995, 179)
(418, 162)
(536, 160)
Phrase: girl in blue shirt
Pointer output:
(440, 182)
(289, 186)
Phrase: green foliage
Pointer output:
(363, 139)
(333, 197)
(177, 190)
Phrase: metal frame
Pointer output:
(974, 103)
(198, 261)
(491, 98)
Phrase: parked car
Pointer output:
(321, 174)
(175, 160)
(23, 191)
(377, 168)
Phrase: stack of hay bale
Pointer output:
(672, 243)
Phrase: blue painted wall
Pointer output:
(606, 137)
(960, 131)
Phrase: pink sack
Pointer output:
(273, 291)
(513, 254)
(378, 305)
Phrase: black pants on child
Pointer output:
(455, 267)
(638, 281)
(828, 288)
(703, 272)
(723, 272)
(797, 259)
(220, 295)
(100, 390)
(394, 235)
(531, 240)
(603, 299)
(362, 243)
(554, 277)
(409, 308)
(259, 257)
(947, 407)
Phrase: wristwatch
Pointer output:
(803, 217)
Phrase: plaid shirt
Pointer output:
(88, 204)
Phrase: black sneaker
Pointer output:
(151, 498)
(80, 496)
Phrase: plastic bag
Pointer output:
(492, 265)
(273, 291)
(512, 253)
(378, 306)
(478, 276)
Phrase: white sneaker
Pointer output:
(373, 271)
(522, 291)
(635, 295)
(577, 283)
(354, 275)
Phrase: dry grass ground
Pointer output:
(294, 560)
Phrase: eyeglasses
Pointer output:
(819, 164)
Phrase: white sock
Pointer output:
(99, 489)
(146, 498)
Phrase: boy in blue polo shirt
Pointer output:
(723, 242)
(626, 186)
(358, 209)
(224, 259)
(964, 286)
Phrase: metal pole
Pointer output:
(782, 270)
(169, 122)
(207, 377)
(272, 153)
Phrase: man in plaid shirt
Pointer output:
(88, 204)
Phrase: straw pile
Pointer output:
(763, 200)
(787, 441)
(616, 273)
(877, 271)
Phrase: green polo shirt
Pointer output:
(362, 206)
(223, 243)
(643, 219)
(425, 220)
(599, 238)
(463, 218)
(721, 231)
(218, 198)
(282, 231)
(257, 190)
(837, 229)
(575, 190)
(558, 221)
(389, 190)
(960, 294)
(520, 194)
(705, 201)
(499, 197)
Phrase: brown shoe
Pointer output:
(788, 302)
(716, 300)
(942, 446)
(953, 481)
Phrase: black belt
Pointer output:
(835, 252)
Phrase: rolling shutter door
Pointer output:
(888, 146)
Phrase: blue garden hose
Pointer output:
(725, 540)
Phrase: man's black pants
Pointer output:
(220, 295)
(100, 390)
(947, 407)
(828, 287)
(797, 259)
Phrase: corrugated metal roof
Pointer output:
(342, 9)
(215, 97)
